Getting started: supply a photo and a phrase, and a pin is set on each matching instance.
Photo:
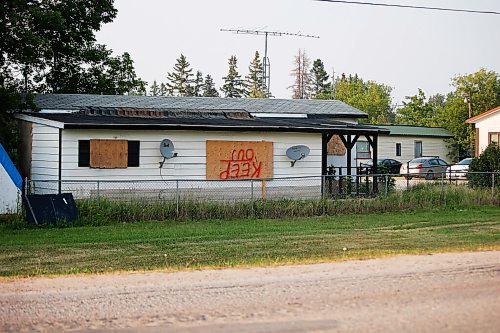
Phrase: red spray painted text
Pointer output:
(243, 164)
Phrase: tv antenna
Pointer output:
(266, 65)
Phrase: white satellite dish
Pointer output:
(167, 150)
(296, 153)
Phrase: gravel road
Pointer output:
(453, 292)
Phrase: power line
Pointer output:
(412, 7)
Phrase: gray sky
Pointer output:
(406, 49)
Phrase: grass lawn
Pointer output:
(226, 243)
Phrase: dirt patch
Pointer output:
(454, 292)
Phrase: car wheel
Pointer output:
(429, 175)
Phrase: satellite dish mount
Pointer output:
(167, 151)
(297, 153)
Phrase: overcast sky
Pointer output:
(406, 49)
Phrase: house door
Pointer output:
(418, 149)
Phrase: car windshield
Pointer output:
(419, 160)
(466, 161)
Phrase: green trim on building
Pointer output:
(407, 130)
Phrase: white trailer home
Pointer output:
(405, 142)
(487, 126)
(78, 138)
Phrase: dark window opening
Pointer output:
(398, 149)
(133, 153)
(83, 153)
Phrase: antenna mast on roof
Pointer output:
(266, 65)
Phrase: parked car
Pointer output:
(387, 165)
(460, 170)
(428, 167)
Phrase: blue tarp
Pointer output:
(9, 167)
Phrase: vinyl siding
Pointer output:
(191, 149)
(487, 125)
(430, 147)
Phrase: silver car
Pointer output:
(428, 167)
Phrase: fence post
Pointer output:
(407, 175)
(323, 196)
(251, 188)
(442, 186)
(98, 191)
(26, 184)
(493, 185)
(177, 198)
(386, 185)
(252, 198)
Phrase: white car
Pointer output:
(460, 170)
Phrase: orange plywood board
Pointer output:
(108, 154)
(239, 159)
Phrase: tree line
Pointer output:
(50, 47)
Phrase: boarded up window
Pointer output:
(239, 159)
(108, 154)
(336, 146)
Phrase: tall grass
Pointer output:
(102, 212)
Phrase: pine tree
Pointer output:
(301, 72)
(320, 86)
(155, 89)
(233, 85)
(180, 78)
(209, 89)
(163, 90)
(255, 87)
(197, 85)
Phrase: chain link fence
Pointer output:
(315, 187)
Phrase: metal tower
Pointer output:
(266, 65)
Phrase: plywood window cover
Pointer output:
(336, 147)
(108, 154)
(239, 159)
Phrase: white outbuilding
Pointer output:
(74, 138)
(487, 126)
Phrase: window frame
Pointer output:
(421, 148)
(398, 149)
(490, 135)
(363, 154)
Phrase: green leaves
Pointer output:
(371, 97)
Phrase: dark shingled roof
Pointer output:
(330, 108)
(228, 121)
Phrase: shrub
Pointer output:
(488, 161)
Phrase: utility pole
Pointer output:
(266, 65)
(468, 100)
